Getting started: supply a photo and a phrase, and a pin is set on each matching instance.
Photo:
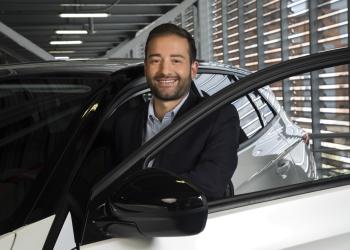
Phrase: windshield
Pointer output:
(37, 117)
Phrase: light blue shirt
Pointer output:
(154, 125)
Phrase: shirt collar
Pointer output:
(172, 113)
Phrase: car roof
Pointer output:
(107, 66)
(223, 67)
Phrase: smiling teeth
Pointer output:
(166, 81)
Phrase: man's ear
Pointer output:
(194, 69)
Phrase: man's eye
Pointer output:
(154, 60)
(177, 61)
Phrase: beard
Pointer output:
(181, 88)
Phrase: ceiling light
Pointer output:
(65, 42)
(83, 15)
(79, 59)
(71, 32)
(61, 57)
(61, 51)
(83, 5)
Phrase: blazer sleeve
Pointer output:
(218, 161)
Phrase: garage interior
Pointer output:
(250, 34)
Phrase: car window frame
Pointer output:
(68, 203)
(234, 75)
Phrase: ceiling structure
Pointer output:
(28, 26)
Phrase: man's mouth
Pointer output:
(167, 81)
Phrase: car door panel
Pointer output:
(287, 223)
(303, 162)
(265, 163)
(66, 239)
(342, 242)
(7, 240)
(32, 236)
(282, 223)
(301, 155)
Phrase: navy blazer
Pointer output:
(205, 155)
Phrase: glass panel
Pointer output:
(327, 115)
(211, 83)
(332, 25)
(249, 119)
(298, 29)
(250, 123)
(36, 116)
(265, 111)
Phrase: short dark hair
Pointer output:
(172, 29)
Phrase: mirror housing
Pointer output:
(151, 202)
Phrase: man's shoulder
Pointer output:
(226, 113)
(229, 110)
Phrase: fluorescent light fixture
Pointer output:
(61, 57)
(65, 42)
(84, 5)
(61, 51)
(71, 32)
(79, 59)
(83, 15)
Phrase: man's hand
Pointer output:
(306, 138)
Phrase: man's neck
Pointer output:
(162, 107)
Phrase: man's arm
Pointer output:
(218, 161)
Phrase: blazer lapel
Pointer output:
(191, 101)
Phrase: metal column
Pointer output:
(260, 33)
(315, 97)
(205, 33)
(348, 6)
(241, 32)
(286, 92)
(196, 26)
(25, 43)
(224, 30)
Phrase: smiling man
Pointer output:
(206, 154)
(170, 66)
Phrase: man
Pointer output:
(206, 154)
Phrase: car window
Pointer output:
(254, 112)
(212, 83)
(318, 102)
(249, 119)
(265, 111)
(37, 116)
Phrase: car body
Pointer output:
(59, 116)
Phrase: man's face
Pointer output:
(168, 67)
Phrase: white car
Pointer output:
(56, 193)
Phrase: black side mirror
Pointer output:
(152, 203)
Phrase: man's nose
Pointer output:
(165, 67)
